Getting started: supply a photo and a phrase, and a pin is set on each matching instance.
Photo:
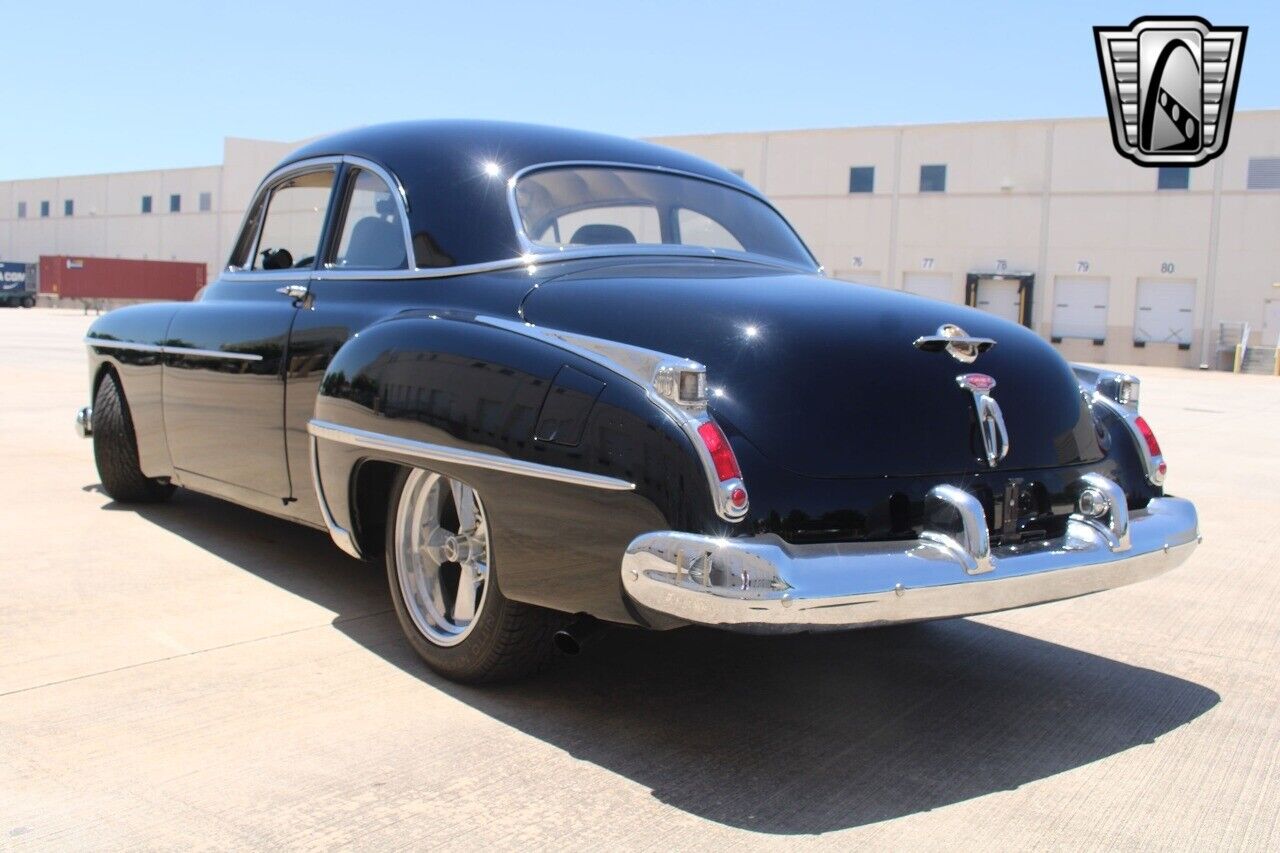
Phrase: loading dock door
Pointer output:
(1000, 297)
(1165, 311)
(933, 285)
(1080, 307)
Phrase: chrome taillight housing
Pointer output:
(682, 385)
(1119, 392)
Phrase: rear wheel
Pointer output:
(28, 302)
(115, 449)
(443, 583)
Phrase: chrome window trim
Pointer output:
(402, 211)
(171, 350)
(428, 452)
(641, 367)
(263, 194)
(311, 164)
(532, 248)
(531, 256)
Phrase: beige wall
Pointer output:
(108, 220)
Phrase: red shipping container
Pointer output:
(81, 277)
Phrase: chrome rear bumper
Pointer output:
(764, 584)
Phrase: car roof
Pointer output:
(458, 211)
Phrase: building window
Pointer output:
(175, 203)
(933, 179)
(146, 204)
(862, 179)
(206, 202)
(1173, 178)
(1264, 173)
(44, 208)
(22, 210)
(68, 207)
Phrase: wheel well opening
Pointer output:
(97, 380)
(371, 490)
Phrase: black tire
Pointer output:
(115, 449)
(508, 640)
(28, 302)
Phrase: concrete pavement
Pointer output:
(195, 674)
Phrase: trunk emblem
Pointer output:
(956, 342)
(995, 438)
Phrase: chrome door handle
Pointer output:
(299, 293)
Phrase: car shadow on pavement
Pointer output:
(785, 735)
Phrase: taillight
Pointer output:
(1153, 446)
(721, 453)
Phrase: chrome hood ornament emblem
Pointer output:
(995, 438)
(956, 342)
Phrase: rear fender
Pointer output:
(567, 483)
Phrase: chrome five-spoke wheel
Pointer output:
(441, 556)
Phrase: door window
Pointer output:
(372, 234)
(295, 217)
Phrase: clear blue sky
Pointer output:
(101, 86)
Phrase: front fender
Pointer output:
(128, 343)
(571, 460)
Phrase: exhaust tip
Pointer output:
(566, 642)
(572, 637)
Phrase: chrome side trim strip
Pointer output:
(168, 350)
(429, 452)
(339, 534)
(529, 262)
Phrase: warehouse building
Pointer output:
(1039, 221)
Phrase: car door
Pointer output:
(224, 381)
(358, 281)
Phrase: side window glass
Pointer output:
(294, 220)
(697, 229)
(372, 233)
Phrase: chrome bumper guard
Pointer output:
(84, 422)
(763, 584)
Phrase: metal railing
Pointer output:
(1242, 347)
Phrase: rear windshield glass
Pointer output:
(574, 206)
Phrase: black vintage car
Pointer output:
(555, 377)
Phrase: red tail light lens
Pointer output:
(721, 453)
(1153, 446)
